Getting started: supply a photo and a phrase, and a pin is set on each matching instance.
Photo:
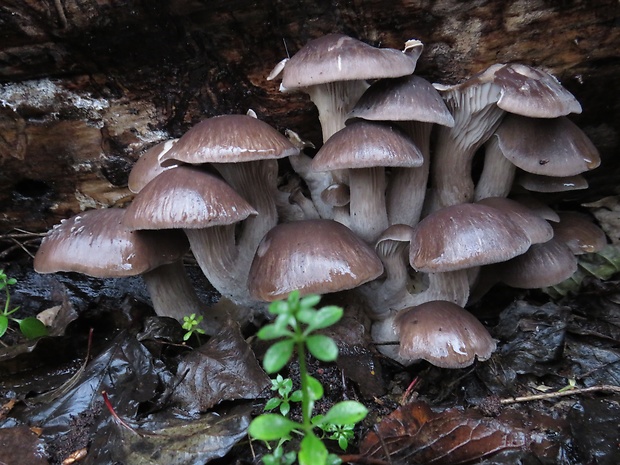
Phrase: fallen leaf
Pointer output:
(415, 434)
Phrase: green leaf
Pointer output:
(306, 315)
(312, 451)
(343, 442)
(293, 300)
(278, 307)
(271, 426)
(4, 324)
(32, 328)
(333, 459)
(345, 413)
(273, 403)
(278, 355)
(326, 316)
(315, 388)
(322, 347)
(309, 301)
(285, 407)
(296, 396)
(269, 332)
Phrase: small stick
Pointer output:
(552, 395)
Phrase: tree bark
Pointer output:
(87, 85)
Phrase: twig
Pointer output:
(552, 395)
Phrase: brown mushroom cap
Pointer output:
(532, 92)
(230, 139)
(546, 184)
(337, 57)
(408, 98)
(188, 198)
(96, 243)
(579, 233)
(543, 265)
(547, 146)
(366, 144)
(536, 227)
(148, 166)
(312, 256)
(443, 334)
(464, 236)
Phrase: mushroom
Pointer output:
(550, 147)
(334, 68)
(207, 209)
(478, 106)
(312, 256)
(549, 184)
(415, 105)
(244, 150)
(440, 332)
(97, 244)
(579, 233)
(364, 148)
(446, 246)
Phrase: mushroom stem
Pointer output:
(256, 181)
(497, 174)
(334, 101)
(367, 209)
(173, 295)
(475, 121)
(218, 257)
(317, 182)
(407, 186)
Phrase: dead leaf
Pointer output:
(19, 445)
(415, 434)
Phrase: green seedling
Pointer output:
(286, 395)
(29, 327)
(295, 326)
(190, 325)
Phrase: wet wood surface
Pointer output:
(87, 85)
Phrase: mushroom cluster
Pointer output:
(388, 207)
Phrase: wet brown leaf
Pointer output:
(224, 368)
(21, 445)
(415, 434)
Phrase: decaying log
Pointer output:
(87, 85)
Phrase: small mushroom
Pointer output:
(97, 244)
(149, 165)
(312, 256)
(478, 106)
(543, 146)
(365, 148)
(207, 209)
(415, 105)
(440, 332)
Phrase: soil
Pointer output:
(544, 345)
